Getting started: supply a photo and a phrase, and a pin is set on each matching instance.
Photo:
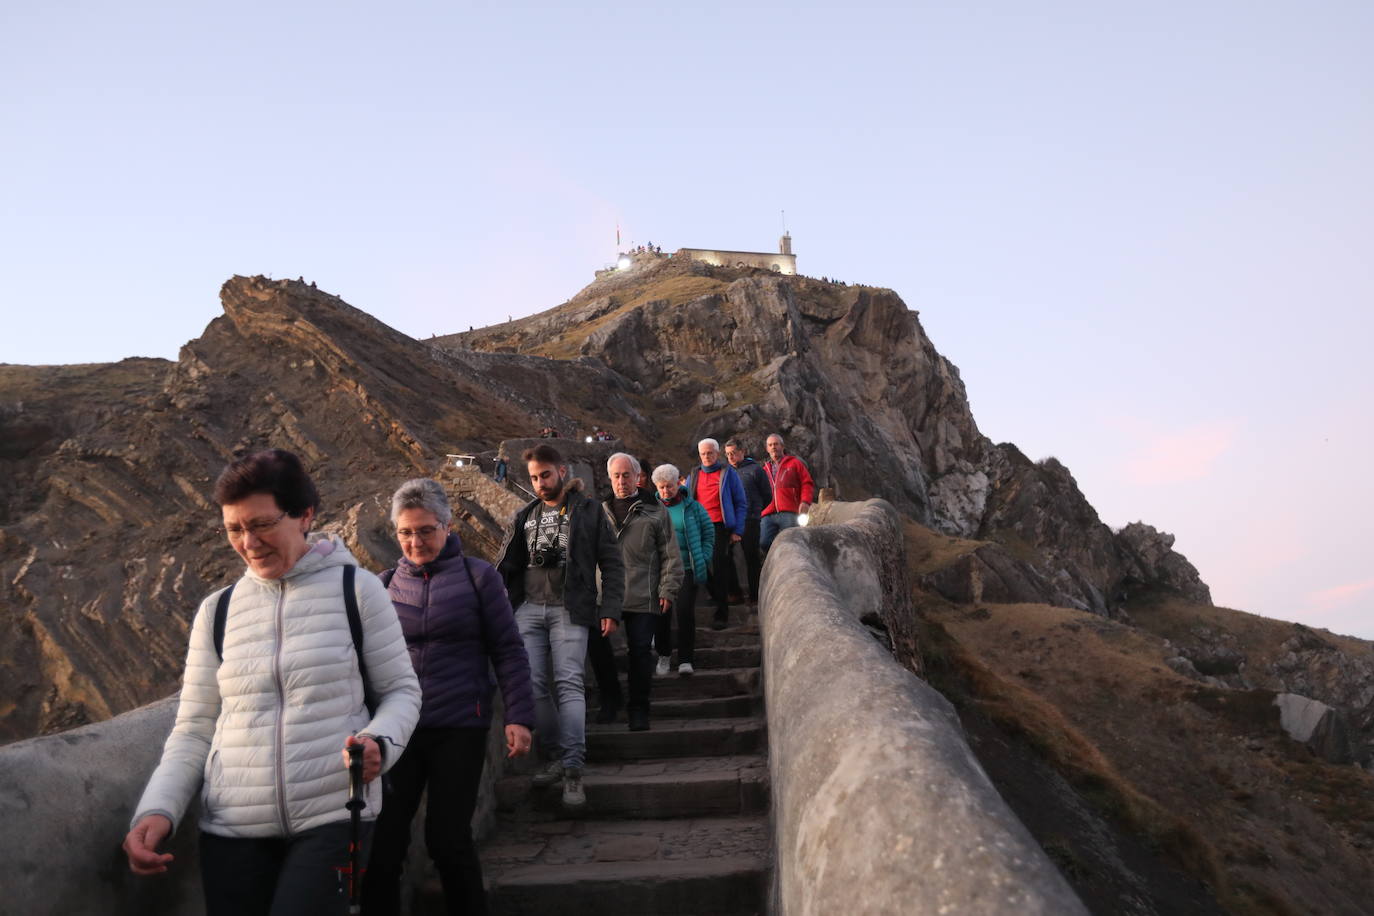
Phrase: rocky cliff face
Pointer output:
(105, 521)
(105, 542)
(850, 379)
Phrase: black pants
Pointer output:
(750, 565)
(447, 761)
(639, 636)
(685, 610)
(278, 876)
(720, 572)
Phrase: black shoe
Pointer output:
(639, 720)
(607, 713)
(719, 623)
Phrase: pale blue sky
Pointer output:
(1142, 234)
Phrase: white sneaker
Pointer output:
(685, 669)
(663, 666)
(574, 795)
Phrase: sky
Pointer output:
(1141, 232)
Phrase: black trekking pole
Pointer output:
(355, 810)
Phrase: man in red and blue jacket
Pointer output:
(793, 491)
(717, 486)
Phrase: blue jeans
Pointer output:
(770, 526)
(552, 640)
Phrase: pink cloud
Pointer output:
(1340, 594)
(1187, 454)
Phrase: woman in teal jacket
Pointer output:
(696, 537)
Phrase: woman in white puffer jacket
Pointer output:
(260, 733)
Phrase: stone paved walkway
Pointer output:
(677, 819)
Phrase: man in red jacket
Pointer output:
(793, 491)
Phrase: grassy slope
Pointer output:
(1203, 777)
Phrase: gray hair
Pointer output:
(422, 493)
(634, 462)
(666, 473)
(778, 436)
(711, 442)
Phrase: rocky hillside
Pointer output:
(849, 377)
(105, 520)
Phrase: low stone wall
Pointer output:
(879, 805)
(65, 804)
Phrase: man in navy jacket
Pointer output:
(718, 488)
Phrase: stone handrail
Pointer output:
(879, 805)
(65, 805)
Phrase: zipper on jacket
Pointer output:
(281, 716)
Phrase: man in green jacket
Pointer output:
(653, 574)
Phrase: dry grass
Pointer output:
(1175, 619)
(1203, 774)
(929, 551)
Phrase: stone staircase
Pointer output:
(677, 817)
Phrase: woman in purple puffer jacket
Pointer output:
(458, 625)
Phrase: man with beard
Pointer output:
(653, 574)
(550, 561)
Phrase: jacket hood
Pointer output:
(326, 549)
(453, 548)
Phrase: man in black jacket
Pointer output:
(759, 493)
(550, 561)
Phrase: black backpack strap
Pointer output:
(386, 576)
(355, 627)
(221, 617)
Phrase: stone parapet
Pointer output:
(66, 801)
(879, 804)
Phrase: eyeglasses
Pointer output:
(424, 533)
(259, 527)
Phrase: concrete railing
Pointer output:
(65, 804)
(879, 805)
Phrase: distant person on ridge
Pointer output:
(715, 485)
(653, 574)
(555, 548)
(793, 491)
(758, 492)
(696, 538)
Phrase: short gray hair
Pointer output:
(634, 462)
(666, 473)
(422, 493)
(714, 444)
(778, 436)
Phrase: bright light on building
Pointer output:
(589, 438)
(624, 263)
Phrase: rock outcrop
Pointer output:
(106, 540)
(105, 521)
(848, 376)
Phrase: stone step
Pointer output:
(601, 868)
(710, 657)
(693, 707)
(708, 638)
(677, 738)
(708, 682)
(671, 788)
